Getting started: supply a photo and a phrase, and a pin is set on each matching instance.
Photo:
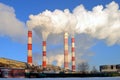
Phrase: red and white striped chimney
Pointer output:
(44, 55)
(66, 51)
(29, 57)
(73, 54)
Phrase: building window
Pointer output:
(117, 66)
(111, 66)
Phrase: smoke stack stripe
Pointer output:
(65, 50)
(29, 58)
(73, 54)
(44, 55)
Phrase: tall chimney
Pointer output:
(29, 57)
(66, 51)
(73, 54)
(44, 55)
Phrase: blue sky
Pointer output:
(9, 48)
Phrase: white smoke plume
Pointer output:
(52, 22)
(101, 23)
(59, 59)
(10, 26)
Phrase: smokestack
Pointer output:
(29, 57)
(44, 55)
(65, 50)
(73, 54)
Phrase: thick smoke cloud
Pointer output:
(52, 22)
(102, 23)
(10, 26)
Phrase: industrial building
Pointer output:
(16, 69)
(110, 68)
(12, 72)
(9, 63)
(12, 69)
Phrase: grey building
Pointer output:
(110, 68)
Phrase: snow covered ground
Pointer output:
(93, 78)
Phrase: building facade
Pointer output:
(110, 68)
(12, 72)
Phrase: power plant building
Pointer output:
(110, 68)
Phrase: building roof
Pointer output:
(5, 62)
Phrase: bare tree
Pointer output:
(83, 67)
(94, 70)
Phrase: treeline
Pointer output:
(56, 75)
